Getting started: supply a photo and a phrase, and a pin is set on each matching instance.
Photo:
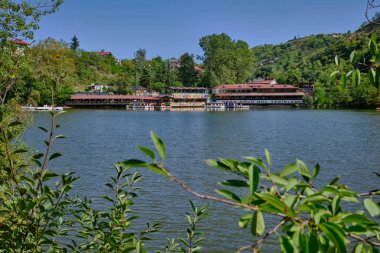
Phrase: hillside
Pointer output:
(303, 59)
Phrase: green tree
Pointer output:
(225, 60)
(74, 45)
(54, 66)
(186, 70)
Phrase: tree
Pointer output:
(20, 18)
(225, 60)
(54, 63)
(74, 45)
(186, 70)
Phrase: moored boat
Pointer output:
(44, 108)
(215, 106)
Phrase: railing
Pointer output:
(266, 101)
(187, 104)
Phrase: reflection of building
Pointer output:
(187, 96)
(266, 92)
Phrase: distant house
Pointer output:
(20, 46)
(140, 91)
(99, 88)
(20, 42)
(174, 64)
(104, 53)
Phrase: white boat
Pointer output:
(44, 108)
(215, 106)
(236, 106)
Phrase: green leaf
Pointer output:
(372, 207)
(286, 245)
(302, 169)
(356, 78)
(55, 155)
(372, 47)
(334, 181)
(43, 129)
(334, 74)
(353, 57)
(255, 160)
(316, 198)
(229, 195)
(257, 224)
(159, 144)
(335, 234)
(254, 178)
(235, 183)
(315, 171)
(313, 243)
(291, 183)
(244, 220)
(357, 218)
(147, 152)
(336, 60)
(358, 248)
(14, 123)
(157, 169)
(60, 137)
(288, 170)
(274, 202)
(18, 151)
(134, 163)
(268, 156)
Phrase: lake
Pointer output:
(343, 142)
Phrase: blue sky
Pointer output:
(170, 28)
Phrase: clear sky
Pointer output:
(170, 28)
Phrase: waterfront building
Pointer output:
(110, 101)
(182, 97)
(265, 92)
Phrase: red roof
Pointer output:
(20, 42)
(255, 85)
(104, 53)
(127, 97)
(263, 82)
(270, 94)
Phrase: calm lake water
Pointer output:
(345, 143)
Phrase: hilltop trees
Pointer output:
(18, 20)
(225, 60)
(74, 45)
(186, 70)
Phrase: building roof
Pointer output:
(269, 94)
(104, 53)
(20, 42)
(128, 97)
(270, 81)
(255, 85)
(186, 88)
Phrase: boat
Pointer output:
(236, 106)
(44, 108)
(215, 106)
(378, 109)
(136, 106)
